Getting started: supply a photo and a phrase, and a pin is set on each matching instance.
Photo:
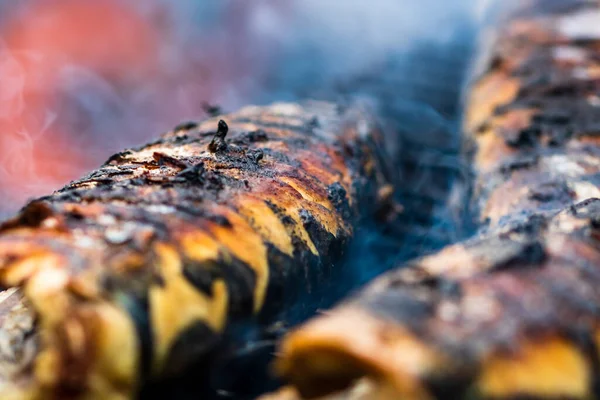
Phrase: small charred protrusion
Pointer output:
(32, 215)
(218, 143)
(255, 155)
(118, 158)
(193, 173)
(338, 196)
(166, 160)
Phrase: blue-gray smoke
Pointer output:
(408, 59)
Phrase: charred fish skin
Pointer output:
(135, 271)
(514, 312)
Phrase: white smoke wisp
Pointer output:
(12, 81)
(16, 143)
(330, 39)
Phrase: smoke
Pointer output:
(118, 72)
(331, 41)
(80, 80)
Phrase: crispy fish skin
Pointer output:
(515, 311)
(135, 271)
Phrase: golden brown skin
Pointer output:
(514, 312)
(135, 271)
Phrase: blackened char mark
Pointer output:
(201, 275)
(255, 155)
(557, 192)
(248, 138)
(337, 195)
(193, 174)
(518, 163)
(239, 278)
(283, 288)
(117, 158)
(218, 143)
(587, 209)
(31, 215)
(328, 246)
(453, 388)
(501, 253)
(417, 306)
(138, 308)
(195, 343)
(166, 160)
(189, 210)
(447, 288)
(280, 157)
(311, 265)
(525, 138)
(584, 339)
